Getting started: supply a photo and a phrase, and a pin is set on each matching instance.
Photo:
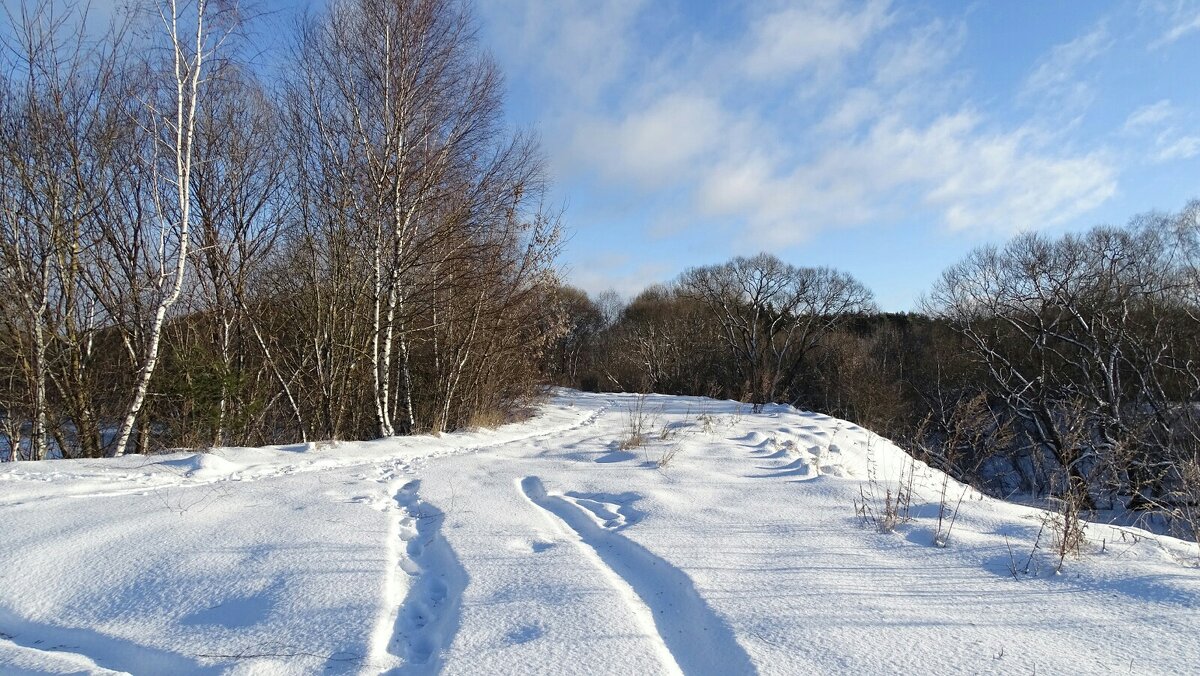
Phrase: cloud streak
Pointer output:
(801, 36)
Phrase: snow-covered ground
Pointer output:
(543, 547)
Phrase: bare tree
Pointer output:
(402, 117)
(194, 261)
(194, 34)
(58, 122)
(241, 212)
(772, 314)
(1085, 323)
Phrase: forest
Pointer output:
(192, 256)
(198, 251)
(1061, 367)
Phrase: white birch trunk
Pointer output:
(187, 86)
(380, 354)
(406, 379)
(38, 445)
(456, 374)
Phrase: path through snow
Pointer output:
(544, 547)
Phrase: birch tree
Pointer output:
(402, 114)
(56, 124)
(193, 41)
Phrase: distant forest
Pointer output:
(195, 254)
(1054, 366)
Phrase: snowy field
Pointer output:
(544, 548)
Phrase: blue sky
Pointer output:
(885, 139)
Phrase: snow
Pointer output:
(544, 547)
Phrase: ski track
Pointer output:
(423, 589)
(695, 639)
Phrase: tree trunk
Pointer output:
(187, 87)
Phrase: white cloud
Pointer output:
(1060, 69)
(1158, 126)
(1183, 148)
(1061, 87)
(1149, 116)
(655, 144)
(998, 184)
(974, 181)
(617, 272)
(929, 49)
(857, 106)
(875, 158)
(1182, 17)
(810, 35)
(1178, 31)
(584, 46)
(860, 133)
(733, 187)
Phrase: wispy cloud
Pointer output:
(582, 46)
(618, 272)
(1181, 148)
(1061, 83)
(655, 144)
(929, 48)
(1182, 18)
(1163, 127)
(1062, 65)
(814, 115)
(1149, 116)
(819, 34)
(1000, 182)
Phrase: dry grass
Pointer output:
(885, 513)
(667, 456)
(639, 423)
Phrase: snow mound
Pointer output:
(199, 466)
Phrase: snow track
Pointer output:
(224, 468)
(695, 638)
(422, 623)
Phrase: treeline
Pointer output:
(193, 254)
(1065, 366)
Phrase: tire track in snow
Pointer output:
(420, 622)
(693, 636)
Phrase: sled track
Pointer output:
(141, 484)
